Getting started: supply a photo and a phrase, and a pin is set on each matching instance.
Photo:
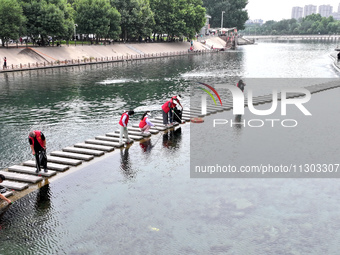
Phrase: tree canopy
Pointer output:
(43, 20)
(312, 24)
(235, 14)
(11, 19)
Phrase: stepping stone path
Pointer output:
(19, 177)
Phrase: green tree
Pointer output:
(235, 14)
(46, 18)
(194, 17)
(178, 17)
(97, 17)
(11, 20)
(137, 18)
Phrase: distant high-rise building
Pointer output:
(325, 10)
(336, 15)
(309, 9)
(297, 12)
(339, 8)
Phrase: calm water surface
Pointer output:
(141, 200)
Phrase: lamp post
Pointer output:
(75, 34)
(222, 21)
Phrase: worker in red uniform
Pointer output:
(168, 108)
(123, 122)
(145, 124)
(37, 142)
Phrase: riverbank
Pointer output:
(22, 57)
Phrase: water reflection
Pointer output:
(238, 122)
(43, 200)
(146, 146)
(172, 138)
(125, 164)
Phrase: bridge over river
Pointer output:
(294, 37)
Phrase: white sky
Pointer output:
(282, 9)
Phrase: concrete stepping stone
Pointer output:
(132, 132)
(160, 120)
(72, 155)
(109, 138)
(105, 143)
(157, 121)
(14, 185)
(134, 137)
(94, 147)
(156, 128)
(188, 115)
(198, 112)
(199, 109)
(217, 109)
(52, 166)
(96, 153)
(63, 161)
(112, 139)
(8, 193)
(30, 170)
(151, 130)
(21, 177)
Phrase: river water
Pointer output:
(142, 200)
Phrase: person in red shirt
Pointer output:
(37, 142)
(2, 178)
(168, 108)
(145, 123)
(123, 122)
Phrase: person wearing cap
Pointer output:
(123, 122)
(145, 124)
(2, 178)
(37, 142)
(168, 107)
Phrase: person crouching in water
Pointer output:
(37, 142)
(123, 122)
(168, 108)
(145, 124)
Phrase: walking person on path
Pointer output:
(123, 122)
(2, 178)
(37, 142)
(5, 63)
(145, 124)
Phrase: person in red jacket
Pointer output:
(2, 178)
(123, 122)
(168, 108)
(145, 123)
(37, 142)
